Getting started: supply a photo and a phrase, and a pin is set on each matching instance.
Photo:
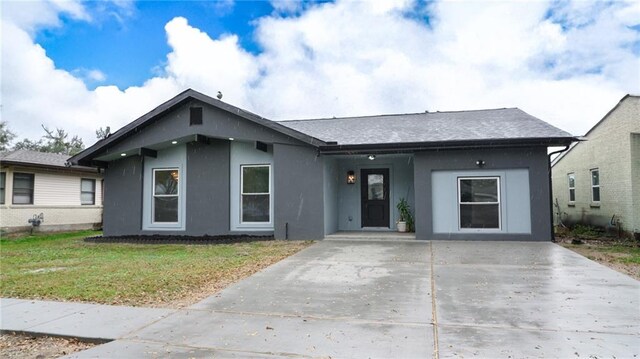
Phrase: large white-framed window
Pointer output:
(595, 185)
(571, 179)
(23, 188)
(87, 191)
(255, 194)
(479, 203)
(166, 196)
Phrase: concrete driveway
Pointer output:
(344, 299)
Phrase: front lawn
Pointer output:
(64, 267)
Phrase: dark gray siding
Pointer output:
(122, 208)
(298, 191)
(534, 159)
(207, 188)
(216, 123)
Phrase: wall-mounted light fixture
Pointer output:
(351, 177)
(480, 163)
(372, 157)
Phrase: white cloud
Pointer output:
(349, 58)
(286, 6)
(90, 75)
(31, 15)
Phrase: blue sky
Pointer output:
(80, 65)
(130, 47)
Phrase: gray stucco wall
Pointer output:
(122, 208)
(298, 192)
(208, 188)
(331, 185)
(533, 159)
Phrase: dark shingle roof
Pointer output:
(40, 159)
(497, 124)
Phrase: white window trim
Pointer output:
(94, 191)
(499, 203)
(241, 222)
(154, 195)
(569, 175)
(595, 186)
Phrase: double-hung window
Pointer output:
(88, 191)
(479, 202)
(595, 185)
(255, 193)
(3, 181)
(23, 188)
(572, 187)
(166, 195)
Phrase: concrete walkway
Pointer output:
(358, 299)
(92, 322)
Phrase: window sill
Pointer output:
(594, 205)
(571, 204)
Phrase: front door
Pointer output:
(375, 197)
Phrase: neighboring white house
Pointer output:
(597, 182)
(34, 183)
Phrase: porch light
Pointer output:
(351, 177)
(372, 157)
(123, 154)
(174, 142)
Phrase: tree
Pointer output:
(57, 142)
(6, 136)
(27, 144)
(54, 141)
(101, 133)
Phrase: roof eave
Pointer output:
(442, 145)
(52, 167)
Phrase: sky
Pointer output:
(84, 65)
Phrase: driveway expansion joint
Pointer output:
(434, 312)
(312, 317)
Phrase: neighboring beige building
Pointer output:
(34, 183)
(597, 182)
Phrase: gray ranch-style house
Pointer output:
(198, 166)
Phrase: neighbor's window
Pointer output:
(572, 187)
(255, 193)
(595, 185)
(165, 195)
(88, 191)
(479, 202)
(23, 188)
(3, 180)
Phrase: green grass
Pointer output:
(63, 267)
(631, 254)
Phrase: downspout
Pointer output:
(553, 235)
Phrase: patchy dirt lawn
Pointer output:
(63, 267)
(19, 346)
(620, 255)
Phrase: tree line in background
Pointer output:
(53, 141)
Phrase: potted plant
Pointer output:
(405, 222)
